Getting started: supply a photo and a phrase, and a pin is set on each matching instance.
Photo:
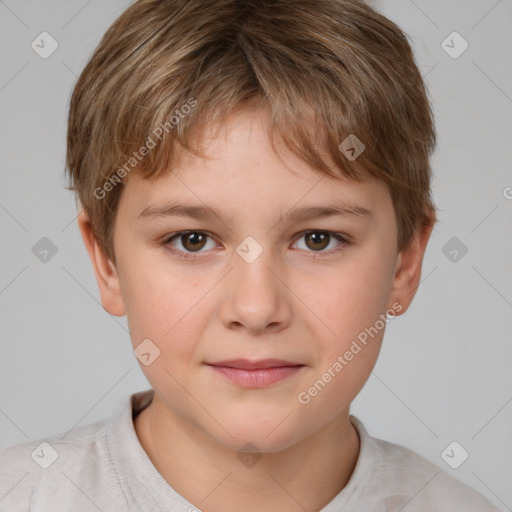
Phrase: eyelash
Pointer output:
(192, 256)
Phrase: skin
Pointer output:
(290, 303)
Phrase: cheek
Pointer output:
(350, 303)
(161, 311)
(350, 306)
(155, 303)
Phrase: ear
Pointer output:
(106, 273)
(407, 274)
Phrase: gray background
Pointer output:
(444, 373)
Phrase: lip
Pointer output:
(247, 364)
(255, 374)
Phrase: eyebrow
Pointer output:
(200, 212)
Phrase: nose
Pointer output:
(255, 296)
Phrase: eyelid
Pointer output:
(343, 239)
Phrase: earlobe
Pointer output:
(408, 267)
(104, 270)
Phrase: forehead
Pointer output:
(243, 173)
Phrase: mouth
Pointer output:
(261, 364)
(255, 374)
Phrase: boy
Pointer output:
(254, 130)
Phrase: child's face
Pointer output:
(303, 299)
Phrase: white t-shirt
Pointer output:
(103, 467)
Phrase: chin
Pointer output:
(266, 437)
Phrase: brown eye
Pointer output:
(317, 240)
(193, 241)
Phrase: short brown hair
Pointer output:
(325, 69)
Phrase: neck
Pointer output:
(305, 476)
